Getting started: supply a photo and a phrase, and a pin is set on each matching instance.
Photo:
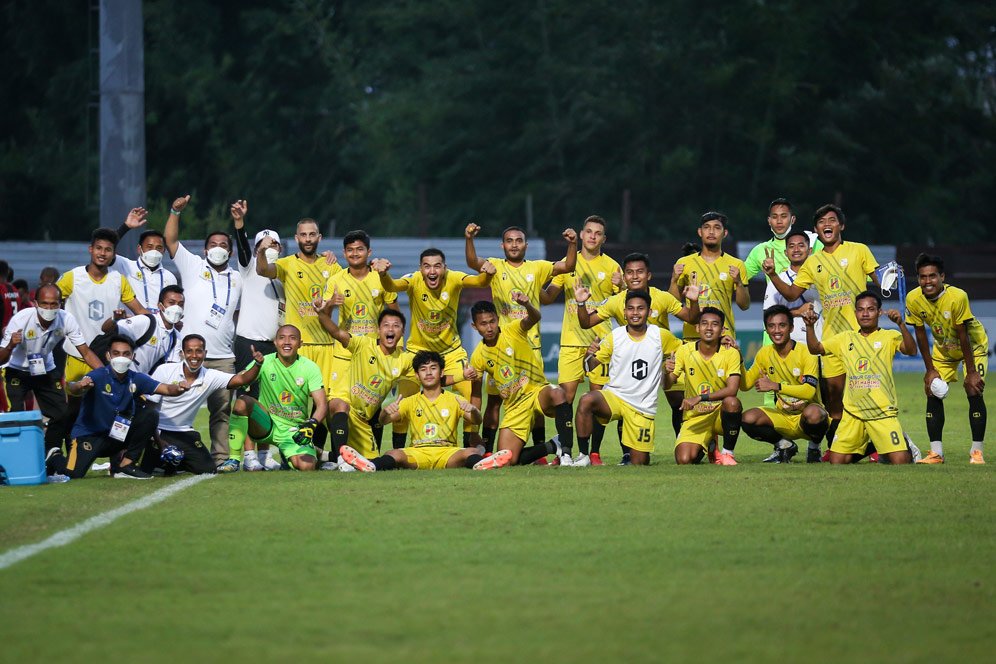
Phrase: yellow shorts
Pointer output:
(853, 434)
(322, 355)
(831, 366)
(570, 367)
(430, 458)
(788, 426)
(489, 385)
(638, 428)
(700, 428)
(520, 418)
(338, 381)
(361, 436)
(76, 369)
(456, 361)
(949, 368)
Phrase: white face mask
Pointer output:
(173, 313)
(47, 315)
(152, 258)
(120, 364)
(272, 255)
(217, 255)
(782, 236)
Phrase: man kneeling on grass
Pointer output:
(290, 386)
(433, 417)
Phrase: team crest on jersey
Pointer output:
(530, 278)
(445, 412)
(435, 316)
(877, 345)
(834, 283)
(445, 296)
(429, 430)
(795, 371)
(152, 341)
(325, 273)
(505, 371)
(299, 381)
(862, 365)
(359, 310)
(508, 351)
(395, 371)
(843, 262)
(87, 446)
(316, 291)
(107, 388)
(372, 360)
(691, 371)
(425, 297)
(140, 276)
(31, 334)
(771, 371)
(375, 292)
(720, 373)
(946, 314)
(723, 276)
(286, 397)
(375, 381)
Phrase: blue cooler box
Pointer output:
(22, 447)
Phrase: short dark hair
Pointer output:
(172, 288)
(391, 312)
(58, 291)
(104, 234)
(714, 216)
(20, 283)
(193, 337)
(151, 233)
(595, 219)
(798, 231)
(356, 236)
(518, 229)
(423, 357)
(866, 294)
(780, 201)
(823, 210)
(4, 269)
(638, 295)
(636, 257)
(50, 270)
(431, 251)
(690, 248)
(924, 260)
(482, 307)
(120, 338)
(308, 220)
(776, 309)
(211, 234)
(715, 312)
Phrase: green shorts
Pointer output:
(279, 434)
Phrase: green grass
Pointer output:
(753, 563)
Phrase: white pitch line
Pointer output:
(64, 537)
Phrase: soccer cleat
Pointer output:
(329, 465)
(556, 461)
(565, 460)
(228, 466)
(344, 467)
(774, 457)
(131, 472)
(725, 459)
(540, 462)
(97, 467)
(826, 456)
(499, 459)
(584, 460)
(595, 459)
(271, 463)
(625, 461)
(914, 450)
(813, 455)
(789, 452)
(252, 466)
(932, 458)
(975, 458)
(356, 460)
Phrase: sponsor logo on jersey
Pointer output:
(640, 369)
(375, 381)
(316, 291)
(862, 365)
(286, 397)
(95, 310)
(429, 430)
(834, 283)
(505, 372)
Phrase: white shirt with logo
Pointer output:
(178, 413)
(205, 289)
(635, 368)
(164, 343)
(37, 339)
(264, 297)
(145, 281)
(91, 303)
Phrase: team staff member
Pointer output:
(959, 338)
(434, 295)
(147, 275)
(177, 413)
(213, 290)
(162, 344)
(871, 407)
(515, 274)
(26, 355)
(107, 424)
(797, 250)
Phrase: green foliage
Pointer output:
(405, 117)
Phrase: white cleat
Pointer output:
(565, 460)
(97, 467)
(582, 460)
(271, 463)
(329, 465)
(344, 467)
(252, 465)
(914, 450)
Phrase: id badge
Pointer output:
(281, 312)
(216, 316)
(36, 364)
(119, 430)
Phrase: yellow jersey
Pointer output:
(372, 374)
(363, 300)
(716, 287)
(797, 372)
(839, 277)
(303, 284)
(434, 314)
(941, 315)
(432, 423)
(705, 375)
(527, 278)
(512, 364)
(596, 275)
(662, 304)
(870, 393)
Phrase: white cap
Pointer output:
(266, 233)
(939, 388)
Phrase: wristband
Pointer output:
(706, 397)
(176, 212)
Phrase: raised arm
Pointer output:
(532, 313)
(172, 389)
(571, 258)
(676, 272)
(469, 250)
(789, 291)
(549, 294)
(172, 231)
(815, 347)
(389, 413)
(480, 280)
(586, 319)
(136, 219)
(381, 267)
(690, 314)
(263, 267)
(324, 310)
(908, 347)
(741, 292)
(247, 376)
(238, 210)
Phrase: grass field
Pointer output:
(753, 563)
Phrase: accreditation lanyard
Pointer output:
(214, 292)
(146, 274)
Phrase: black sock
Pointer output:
(385, 462)
(488, 437)
(539, 433)
(398, 440)
(564, 419)
(731, 429)
(935, 418)
(471, 460)
(762, 432)
(530, 454)
(619, 430)
(597, 433)
(321, 433)
(583, 444)
(339, 423)
(468, 439)
(832, 431)
(815, 432)
(677, 416)
(378, 429)
(977, 417)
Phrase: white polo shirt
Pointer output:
(205, 291)
(264, 298)
(145, 281)
(164, 342)
(178, 413)
(38, 339)
(773, 297)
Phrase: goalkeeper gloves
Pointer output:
(306, 431)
